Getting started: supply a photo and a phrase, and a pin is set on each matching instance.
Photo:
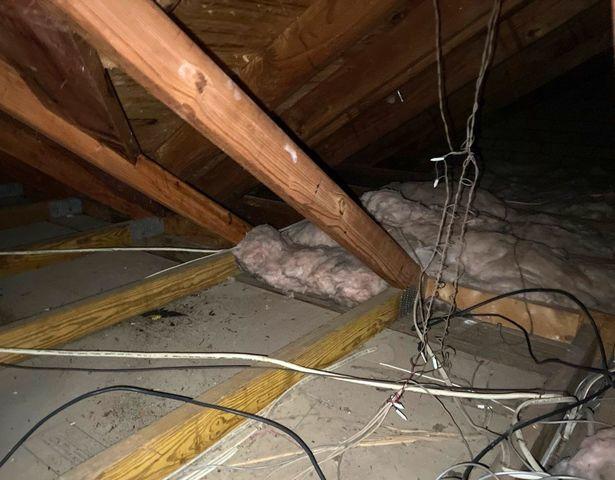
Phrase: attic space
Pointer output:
(307, 239)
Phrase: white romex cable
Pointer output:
(58, 251)
(384, 384)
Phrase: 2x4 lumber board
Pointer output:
(146, 176)
(81, 318)
(162, 447)
(24, 145)
(552, 322)
(363, 127)
(159, 55)
(64, 71)
(124, 234)
(315, 38)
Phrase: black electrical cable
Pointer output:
(526, 423)
(522, 424)
(530, 349)
(171, 396)
(579, 303)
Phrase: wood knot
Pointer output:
(201, 82)
(341, 205)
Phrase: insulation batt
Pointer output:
(314, 268)
(595, 460)
(505, 249)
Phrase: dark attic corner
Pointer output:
(307, 239)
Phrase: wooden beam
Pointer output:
(312, 40)
(180, 227)
(80, 178)
(100, 311)
(23, 214)
(123, 234)
(146, 176)
(548, 321)
(529, 24)
(160, 448)
(24, 145)
(64, 71)
(153, 50)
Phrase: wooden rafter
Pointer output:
(153, 50)
(354, 120)
(26, 155)
(146, 176)
(374, 70)
(24, 145)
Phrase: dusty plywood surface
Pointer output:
(229, 317)
(324, 414)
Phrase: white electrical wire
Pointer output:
(566, 422)
(53, 251)
(521, 475)
(490, 474)
(220, 460)
(518, 434)
(249, 357)
(564, 432)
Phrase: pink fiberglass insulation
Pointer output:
(595, 460)
(505, 249)
(327, 271)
